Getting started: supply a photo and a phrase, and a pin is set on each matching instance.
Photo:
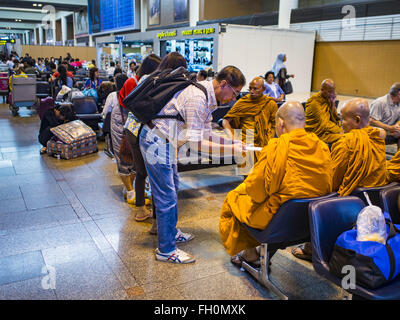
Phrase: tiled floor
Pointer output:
(66, 232)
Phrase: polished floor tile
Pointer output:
(70, 216)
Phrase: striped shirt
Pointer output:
(192, 105)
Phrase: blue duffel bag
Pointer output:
(375, 263)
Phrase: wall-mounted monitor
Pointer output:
(110, 15)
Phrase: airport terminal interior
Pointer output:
(75, 225)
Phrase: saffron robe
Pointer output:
(359, 160)
(322, 119)
(295, 165)
(393, 168)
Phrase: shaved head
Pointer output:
(355, 114)
(256, 88)
(292, 114)
(328, 89)
(327, 83)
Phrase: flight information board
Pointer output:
(106, 15)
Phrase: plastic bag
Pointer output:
(371, 225)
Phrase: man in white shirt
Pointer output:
(160, 139)
(385, 114)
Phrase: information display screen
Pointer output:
(107, 15)
(198, 53)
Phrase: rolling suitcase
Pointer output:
(4, 84)
(72, 140)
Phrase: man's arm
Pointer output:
(226, 124)
(339, 155)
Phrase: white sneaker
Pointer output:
(182, 237)
(177, 256)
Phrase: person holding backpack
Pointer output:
(161, 138)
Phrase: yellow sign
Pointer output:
(166, 34)
(198, 31)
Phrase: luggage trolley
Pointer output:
(23, 94)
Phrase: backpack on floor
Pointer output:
(150, 97)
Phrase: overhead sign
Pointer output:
(193, 32)
(198, 31)
(119, 38)
(166, 34)
(3, 42)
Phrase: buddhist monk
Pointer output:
(321, 113)
(393, 168)
(297, 164)
(254, 115)
(358, 157)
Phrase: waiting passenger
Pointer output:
(254, 114)
(63, 79)
(295, 165)
(53, 118)
(202, 75)
(272, 89)
(119, 114)
(94, 80)
(149, 65)
(111, 69)
(280, 71)
(385, 114)
(131, 72)
(321, 114)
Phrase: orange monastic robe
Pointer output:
(295, 165)
(393, 168)
(359, 160)
(322, 119)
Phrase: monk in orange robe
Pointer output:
(393, 168)
(295, 165)
(358, 157)
(254, 115)
(321, 113)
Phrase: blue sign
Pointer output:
(107, 15)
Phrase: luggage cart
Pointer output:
(23, 94)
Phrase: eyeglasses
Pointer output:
(233, 90)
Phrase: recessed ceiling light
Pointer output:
(34, 4)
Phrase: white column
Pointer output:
(28, 38)
(40, 35)
(194, 10)
(34, 37)
(143, 15)
(90, 40)
(64, 35)
(285, 9)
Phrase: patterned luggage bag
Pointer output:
(73, 139)
(3, 83)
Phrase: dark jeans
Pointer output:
(141, 172)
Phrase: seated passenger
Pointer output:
(254, 114)
(19, 73)
(385, 114)
(53, 118)
(272, 89)
(295, 165)
(94, 81)
(63, 79)
(321, 114)
(358, 157)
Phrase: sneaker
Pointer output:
(177, 256)
(182, 237)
